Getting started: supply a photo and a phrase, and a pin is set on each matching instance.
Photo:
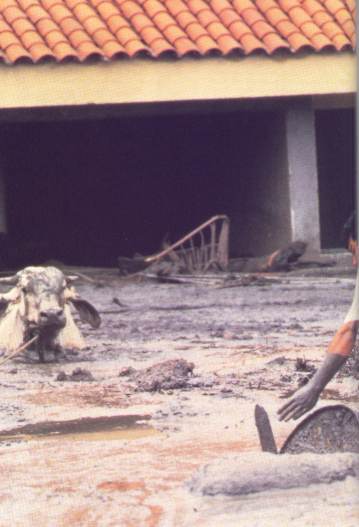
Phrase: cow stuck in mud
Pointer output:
(39, 306)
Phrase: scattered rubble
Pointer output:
(280, 373)
(283, 259)
(78, 375)
(218, 280)
(167, 375)
(304, 365)
(204, 381)
(126, 371)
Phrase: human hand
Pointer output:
(301, 402)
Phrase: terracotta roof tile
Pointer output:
(22, 25)
(152, 8)
(86, 50)
(275, 15)
(273, 42)
(206, 45)
(205, 17)
(341, 43)
(298, 41)
(151, 34)
(322, 42)
(8, 39)
(185, 18)
(106, 10)
(251, 44)
(228, 44)
(195, 31)
(61, 30)
(251, 16)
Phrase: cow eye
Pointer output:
(24, 290)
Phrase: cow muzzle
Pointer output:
(52, 318)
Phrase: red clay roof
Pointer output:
(61, 30)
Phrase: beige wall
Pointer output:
(137, 81)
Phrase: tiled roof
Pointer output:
(62, 30)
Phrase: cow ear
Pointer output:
(7, 298)
(87, 312)
(4, 302)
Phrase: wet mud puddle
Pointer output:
(122, 427)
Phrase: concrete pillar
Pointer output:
(357, 167)
(302, 174)
(259, 203)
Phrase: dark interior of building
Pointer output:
(335, 130)
(85, 192)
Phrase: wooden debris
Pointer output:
(280, 260)
(22, 348)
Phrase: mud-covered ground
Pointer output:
(101, 439)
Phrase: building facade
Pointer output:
(123, 122)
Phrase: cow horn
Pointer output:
(71, 277)
(9, 280)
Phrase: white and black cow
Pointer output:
(39, 305)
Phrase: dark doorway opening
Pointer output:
(335, 131)
(85, 192)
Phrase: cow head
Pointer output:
(39, 304)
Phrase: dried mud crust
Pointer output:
(251, 473)
(328, 430)
(281, 374)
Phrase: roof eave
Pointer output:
(146, 81)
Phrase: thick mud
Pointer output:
(252, 473)
(188, 362)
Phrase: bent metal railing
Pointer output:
(204, 248)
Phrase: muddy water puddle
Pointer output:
(122, 427)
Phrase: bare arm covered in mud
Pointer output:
(338, 352)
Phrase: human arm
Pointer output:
(306, 397)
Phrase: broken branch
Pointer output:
(23, 347)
